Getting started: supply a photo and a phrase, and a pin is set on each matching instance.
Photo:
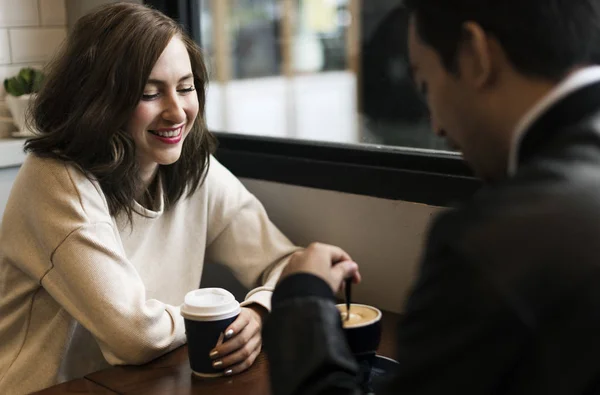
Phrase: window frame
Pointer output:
(391, 172)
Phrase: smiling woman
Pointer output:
(94, 123)
(117, 207)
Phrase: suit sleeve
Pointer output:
(304, 342)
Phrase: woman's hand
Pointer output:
(241, 342)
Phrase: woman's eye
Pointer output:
(187, 90)
(152, 96)
(149, 96)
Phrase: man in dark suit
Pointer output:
(507, 300)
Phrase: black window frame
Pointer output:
(400, 173)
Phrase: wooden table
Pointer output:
(78, 386)
(171, 374)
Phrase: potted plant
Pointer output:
(20, 90)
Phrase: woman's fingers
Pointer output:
(230, 340)
(242, 358)
(243, 329)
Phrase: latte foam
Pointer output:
(359, 315)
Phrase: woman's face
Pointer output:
(168, 108)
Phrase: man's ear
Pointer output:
(476, 56)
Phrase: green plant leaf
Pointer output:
(26, 75)
(28, 80)
(15, 86)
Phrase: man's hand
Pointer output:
(328, 262)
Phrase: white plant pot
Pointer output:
(18, 108)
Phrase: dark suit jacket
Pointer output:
(507, 300)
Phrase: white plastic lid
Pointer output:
(209, 304)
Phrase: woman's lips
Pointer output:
(168, 135)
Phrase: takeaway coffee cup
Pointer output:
(207, 313)
(363, 334)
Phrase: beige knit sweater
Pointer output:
(80, 289)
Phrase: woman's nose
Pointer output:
(174, 111)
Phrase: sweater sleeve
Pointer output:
(92, 279)
(242, 237)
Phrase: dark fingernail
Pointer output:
(228, 372)
(213, 353)
(217, 364)
(228, 334)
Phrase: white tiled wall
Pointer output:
(34, 44)
(4, 47)
(30, 33)
(52, 13)
(19, 13)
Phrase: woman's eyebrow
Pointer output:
(161, 82)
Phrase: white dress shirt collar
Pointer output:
(573, 82)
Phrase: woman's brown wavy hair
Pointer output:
(93, 86)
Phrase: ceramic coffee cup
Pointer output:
(363, 334)
(207, 313)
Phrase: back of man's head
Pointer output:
(541, 38)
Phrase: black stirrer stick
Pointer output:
(348, 294)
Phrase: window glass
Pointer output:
(325, 70)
